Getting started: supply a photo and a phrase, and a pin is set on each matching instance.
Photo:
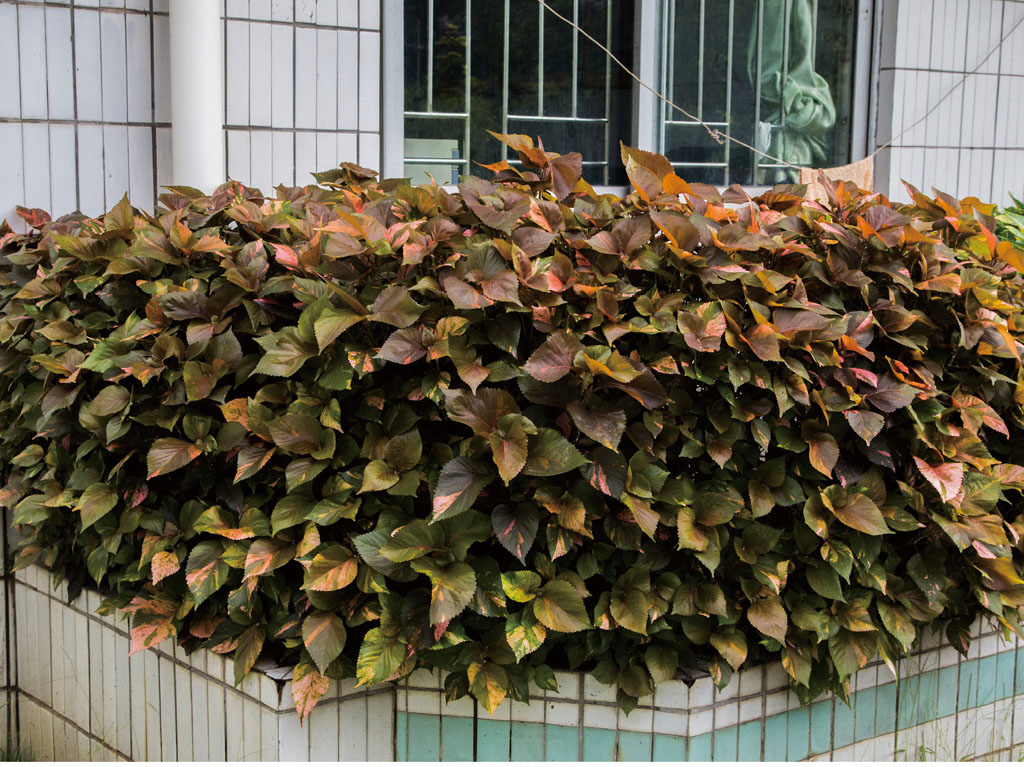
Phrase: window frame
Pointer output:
(644, 126)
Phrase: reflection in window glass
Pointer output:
(773, 73)
(510, 66)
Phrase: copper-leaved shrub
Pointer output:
(365, 426)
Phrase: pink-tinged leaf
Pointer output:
(703, 329)
(823, 451)
(553, 359)
(332, 569)
(516, 527)
(37, 218)
(163, 564)
(251, 459)
(946, 478)
(152, 622)
(150, 633)
(266, 555)
(286, 257)
(865, 423)
(323, 634)
(763, 341)
(975, 413)
(458, 486)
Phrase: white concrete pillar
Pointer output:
(197, 94)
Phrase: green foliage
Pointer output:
(365, 427)
(1010, 223)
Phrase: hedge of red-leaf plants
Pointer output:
(365, 426)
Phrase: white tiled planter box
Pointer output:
(80, 697)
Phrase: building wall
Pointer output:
(302, 88)
(81, 697)
(84, 103)
(85, 96)
(973, 144)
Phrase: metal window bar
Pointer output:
(541, 116)
(575, 55)
(728, 88)
(430, 55)
(700, 63)
(540, 59)
(757, 84)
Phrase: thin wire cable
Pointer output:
(952, 90)
(721, 136)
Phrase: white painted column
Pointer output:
(197, 94)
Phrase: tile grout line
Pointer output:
(54, 714)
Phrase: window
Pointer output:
(511, 67)
(776, 74)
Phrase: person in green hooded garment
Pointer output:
(797, 111)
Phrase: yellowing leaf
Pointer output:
(323, 634)
(559, 607)
(768, 616)
(854, 510)
(308, 686)
(489, 683)
(331, 570)
(169, 454)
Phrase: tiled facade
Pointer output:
(973, 143)
(85, 97)
(85, 106)
(80, 696)
(943, 707)
(303, 88)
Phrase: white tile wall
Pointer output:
(969, 144)
(99, 77)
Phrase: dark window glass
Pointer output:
(775, 74)
(478, 65)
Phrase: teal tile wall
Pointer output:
(864, 714)
(986, 680)
(798, 733)
(493, 739)
(949, 679)
(598, 745)
(928, 696)
(635, 746)
(885, 708)
(842, 727)
(401, 737)
(671, 748)
(749, 747)
(527, 742)
(725, 744)
(1004, 675)
(424, 737)
(909, 698)
(456, 739)
(562, 744)
(699, 748)
(821, 727)
(968, 693)
(788, 736)
(775, 731)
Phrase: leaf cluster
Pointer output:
(363, 426)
